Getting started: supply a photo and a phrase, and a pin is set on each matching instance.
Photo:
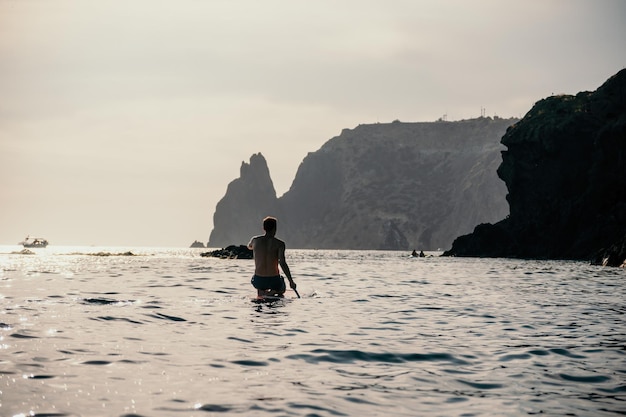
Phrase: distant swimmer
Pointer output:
(269, 252)
(414, 253)
(422, 254)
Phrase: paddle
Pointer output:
(292, 284)
(294, 289)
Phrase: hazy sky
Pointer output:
(123, 121)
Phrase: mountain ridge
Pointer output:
(394, 186)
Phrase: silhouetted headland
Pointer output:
(565, 171)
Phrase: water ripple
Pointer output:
(166, 317)
(591, 379)
(350, 356)
(481, 385)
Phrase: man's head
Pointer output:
(269, 224)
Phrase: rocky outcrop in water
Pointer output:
(565, 170)
(230, 252)
(398, 186)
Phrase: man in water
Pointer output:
(269, 252)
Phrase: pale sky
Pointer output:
(123, 121)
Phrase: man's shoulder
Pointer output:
(268, 239)
(279, 242)
(253, 240)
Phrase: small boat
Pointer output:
(34, 242)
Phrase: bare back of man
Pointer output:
(269, 253)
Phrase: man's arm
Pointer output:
(251, 242)
(283, 264)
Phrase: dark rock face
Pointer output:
(230, 252)
(396, 186)
(565, 170)
(248, 200)
(613, 256)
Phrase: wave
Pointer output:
(350, 356)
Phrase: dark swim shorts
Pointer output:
(276, 283)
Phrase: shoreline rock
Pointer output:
(613, 256)
(230, 252)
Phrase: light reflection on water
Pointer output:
(167, 332)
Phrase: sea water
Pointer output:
(166, 332)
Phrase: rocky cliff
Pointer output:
(248, 199)
(565, 171)
(382, 186)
